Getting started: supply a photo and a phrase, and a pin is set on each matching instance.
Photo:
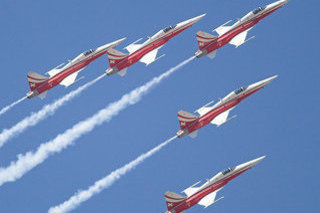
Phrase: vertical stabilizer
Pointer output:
(35, 80)
(173, 199)
(185, 118)
(115, 56)
(204, 39)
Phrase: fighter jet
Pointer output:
(235, 34)
(218, 113)
(66, 75)
(147, 51)
(205, 195)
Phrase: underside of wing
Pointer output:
(123, 72)
(53, 72)
(222, 30)
(43, 95)
(204, 110)
(222, 118)
(191, 190)
(208, 200)
(240, 38)
(149, 57)
(213, 54)
(71, 79)
(133, 47)
(194, 134)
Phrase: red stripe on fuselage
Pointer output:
(138, 54)
(194, 199)
(228, 36)
(209, 116)
(56, 79)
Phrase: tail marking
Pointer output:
(35, 80)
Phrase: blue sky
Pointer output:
(280, 121)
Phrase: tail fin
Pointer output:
(185, 118)
(115, 56)
(204, 38)
(35, 80)
(173, 199)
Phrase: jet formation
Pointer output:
(147, 51)
(66, 75)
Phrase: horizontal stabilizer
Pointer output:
(193, 134)
(43, 95)
(212, 55)
(123, 72)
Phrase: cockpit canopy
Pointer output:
(227, 171)
(258, 10)
(238, 91)
(169, 28)
(88, 52)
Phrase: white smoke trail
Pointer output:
(47, 110)
(6, 108)
(84, 195)
(26, 162)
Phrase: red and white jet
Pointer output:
(205, 195)
(147, 51)
(235, 34)
(66, 76)
(218, 113)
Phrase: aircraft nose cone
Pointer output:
(190, 21)
(268, 80)
(257, 160)
(195, 19)
(249, 164)
(110, 45)
(261, 84)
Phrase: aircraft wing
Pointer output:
(150, 57)
(70, 79)
(203, 110)
(191, 190)
(209, 199)
(194, 134)
(222, 118)
(53, 72)
(240, 38)
(133, 47)
(43, 95)
(222, 30)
